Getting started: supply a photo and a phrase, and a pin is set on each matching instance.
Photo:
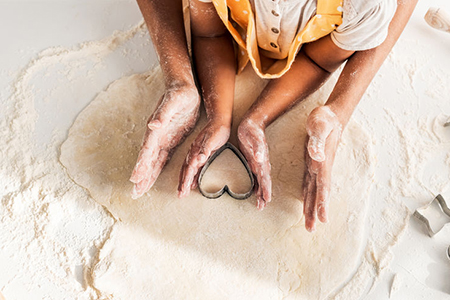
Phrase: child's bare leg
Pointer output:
(311, 68)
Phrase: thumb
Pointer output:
(318, 127)
(316, 148)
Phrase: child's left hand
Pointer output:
(324, 133)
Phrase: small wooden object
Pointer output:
(438, 18)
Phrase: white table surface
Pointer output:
(27, 27)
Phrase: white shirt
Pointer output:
(364, 23)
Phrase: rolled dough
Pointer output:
(163, 247)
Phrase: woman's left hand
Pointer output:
(323, 135)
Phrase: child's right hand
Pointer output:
(171, 122)
(211, 138)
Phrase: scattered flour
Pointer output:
(52, 233)
(50, 228)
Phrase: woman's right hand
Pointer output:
(172, 121)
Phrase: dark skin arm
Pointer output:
(216, 68)
(178, 107)
(353, 82)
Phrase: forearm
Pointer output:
(362, 66)
(216, 68)
(164, 20)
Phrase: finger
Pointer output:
(319, 125)
(306, 194)
(261, 204)
(266, 187)
(306, 179)
(185, 183)
(316, 148)
(323, 182)
(260, 201)
(146, 157)
(146, 184)
(190, 169)
(143, 165)
(201, 151)
(264, 190)
(194, 161)
(141, 187)
(157, 168)
(314, 166)
(195, 181)
(262, 170)
(257, 192)
(161, 115)
(309, 208)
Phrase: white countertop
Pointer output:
(29, 27)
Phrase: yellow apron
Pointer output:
(327, 18)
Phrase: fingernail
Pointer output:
(154, 124)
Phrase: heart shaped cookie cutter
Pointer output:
(225, 188)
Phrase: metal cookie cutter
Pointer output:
(444, 208)
(448, 252)
(447, 123)
(224, 189)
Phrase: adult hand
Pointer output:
(172, 121)
(324, 133)
(211, 138)
(253, 145)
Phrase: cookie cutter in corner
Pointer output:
(447, 123)
(448, 252)
(225, 188)
(444, 208)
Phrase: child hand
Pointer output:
(324, 132)
(212, 137)
(253, 145)
(171, 122)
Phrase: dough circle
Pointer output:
(163, 247)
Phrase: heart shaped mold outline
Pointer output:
(225, 188)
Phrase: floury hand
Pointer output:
(172, 121)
